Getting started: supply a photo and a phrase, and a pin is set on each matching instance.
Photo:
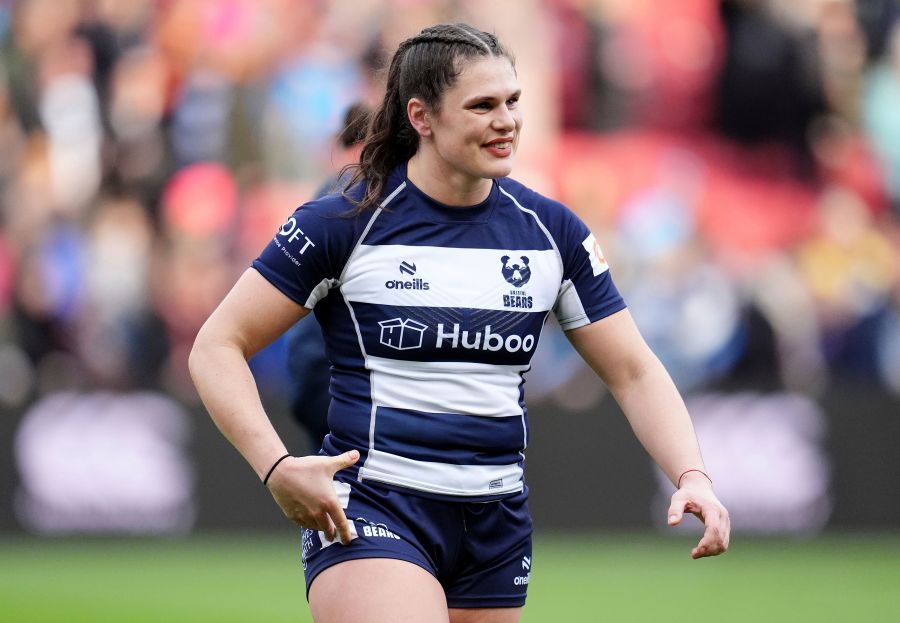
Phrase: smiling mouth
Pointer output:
(500, 148)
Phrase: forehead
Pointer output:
(484, 76)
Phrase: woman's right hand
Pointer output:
(303, 488)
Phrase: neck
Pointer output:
(452, 188)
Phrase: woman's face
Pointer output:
(476, 132)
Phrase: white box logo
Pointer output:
(402, 333)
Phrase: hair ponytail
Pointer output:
(423, 66)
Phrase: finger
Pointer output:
(726, 533)
(342, 461)
(702, 551)
(342, 525)
(328, 527)
(711, 544)
(676, 512)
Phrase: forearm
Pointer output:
(228, 390)
(614, 348)
(660, 420)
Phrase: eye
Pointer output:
(512, 102)
(482, 106)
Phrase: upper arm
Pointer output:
(614, 348)
(251, 316)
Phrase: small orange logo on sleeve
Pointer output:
(595, 253)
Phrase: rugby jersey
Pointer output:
(431, 315)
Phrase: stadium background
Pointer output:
(738, 160)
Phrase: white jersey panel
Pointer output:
(441, 478)
(486, 390)
(451, 278)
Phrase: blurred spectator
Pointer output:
(882, 112)
(850, 267)
(770, 87)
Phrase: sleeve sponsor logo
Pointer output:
(598, 262)
(293, 233)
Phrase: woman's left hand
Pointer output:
(696, 497)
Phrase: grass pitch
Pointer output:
(604, 577)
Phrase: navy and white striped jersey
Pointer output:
(431, 315)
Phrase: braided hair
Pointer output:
(424, 66)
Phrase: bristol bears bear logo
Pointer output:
(516, 271)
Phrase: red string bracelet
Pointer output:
(688, 471)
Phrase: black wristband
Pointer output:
(272, 469)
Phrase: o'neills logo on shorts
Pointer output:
(522, 580)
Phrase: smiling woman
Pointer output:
(432, 276)
(472, 138)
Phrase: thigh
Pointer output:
(378, 590)
(485, 615)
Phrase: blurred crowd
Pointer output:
(738, 160)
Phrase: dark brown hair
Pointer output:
(424, 66)
(356, 119)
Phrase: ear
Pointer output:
(418, 116)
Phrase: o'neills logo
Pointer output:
(409, 284)
(482, 340)
(407, 268)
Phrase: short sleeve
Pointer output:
(305, 258)
(587, 292)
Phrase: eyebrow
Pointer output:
(481, 98)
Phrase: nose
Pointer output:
(504, 119)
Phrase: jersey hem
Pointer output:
(443, 497)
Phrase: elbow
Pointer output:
(196, 356)
(201, 356)
(633, 373)
(210, 349)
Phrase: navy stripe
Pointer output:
(449, 437)
(348, 418)
(413, 220)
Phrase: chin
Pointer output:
(498, 169)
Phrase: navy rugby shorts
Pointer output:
(480, 552)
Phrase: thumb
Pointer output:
(344, 460)
(676, 513)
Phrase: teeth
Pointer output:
(501, 145)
